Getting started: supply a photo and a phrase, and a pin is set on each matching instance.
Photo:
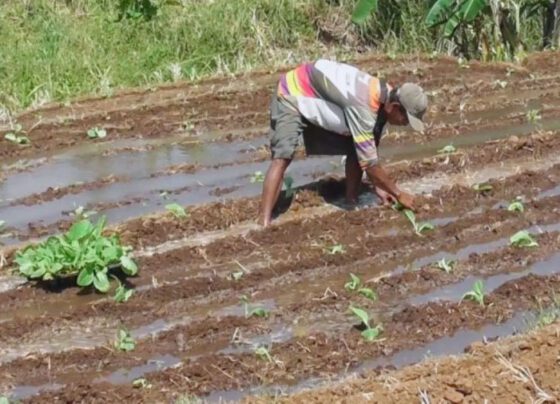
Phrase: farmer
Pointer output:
(338, 110)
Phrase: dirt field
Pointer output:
(199, 146)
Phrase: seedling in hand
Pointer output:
(523, 239)
(476, 294)
(446, 265)
(336, 249)
(124, 341)
(482, 188)
(447, 149)
(369, 334)
(177, 210)
(516, 206)
(419, 228)
(258, 176)
(97, 133)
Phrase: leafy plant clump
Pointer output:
(82, 251)
(369, 334)
(124, 341)
(446, 265)
(258, 176)
(476, 294)
(523, 239)
(516, 206)
(419, 228)
(122, 294)
(176, 210)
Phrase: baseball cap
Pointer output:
(413, 99)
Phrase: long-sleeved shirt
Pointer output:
(339, 98)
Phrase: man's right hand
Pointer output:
(407, 200)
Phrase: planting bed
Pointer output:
(199, 146)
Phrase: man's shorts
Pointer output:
(288, 127)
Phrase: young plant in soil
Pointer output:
(262, 352)
(483, 188)
(176, 210)
(354, 285)
(476, 294)
(336, 249)
(533, 116)
(447, 149)
(83, 251)
(141, 383)
(446, 265)
(122, 294)
(369, 334)
(258, 176)
(124, 341)
(523, 239)
(17, 136)
(516, 206)
(256, 311)
(97, 133)
(419, 228)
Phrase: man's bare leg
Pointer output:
(271, 188)
(353, 178)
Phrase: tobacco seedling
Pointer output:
(447, 149)
(516, 206)
(176, 210)
(523, 239)
(97, 133)
(368, 293)
(258, 176)
(16, 137)
(336, 249)
(256, 311)
(353, 284)
(446, 265)
(262, 352)
(141, 383)
(476, 294)
(124, 341)
(122, 294)
(482, 188)
(533, 115)
(288, 184)
(419, 228)
(369, 334)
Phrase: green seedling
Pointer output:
(258, 176)
(17, 139)
(83, 251)
(336, 249)
(237, 275)
(533, 116)
(369, 334)
(124, 341)
(368, 293)
(288, 185)
(447, 149)
(482, 188)
(419, 228)
(97, 133)
(476, 294)
(262, 352)
(523, 239)
(80, 213)
(177, 210)
(353, 284)
(122, 294)
(516, 206)
(141, 383)
(256, 311)
(446, 265)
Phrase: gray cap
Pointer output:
(414, 100)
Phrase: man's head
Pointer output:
(407, 104)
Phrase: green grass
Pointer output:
(56, 50)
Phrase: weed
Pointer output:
(476, 294)
(447, 149)
(141, 383)
(446, 265)
(262, 352)
(369, 334)
(523, 239)
(97, 133)
(516, 206)
(419, 228)
(483, 188)
(176, 210)
(82, 251)
(258, 176)
(288, 184)
(122, 294)
(124, 341)
(353, 284)
(533, 116)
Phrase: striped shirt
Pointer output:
(339, 98)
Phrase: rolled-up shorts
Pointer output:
(288, 128)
